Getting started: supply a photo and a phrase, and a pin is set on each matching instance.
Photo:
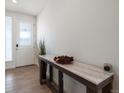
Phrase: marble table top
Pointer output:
(89, 72)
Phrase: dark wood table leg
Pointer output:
(43, 68)
(50, 73)
(89, 90)
(107, 88)
(49, 80)
(40, 72)
(60, 82)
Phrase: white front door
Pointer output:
(24, 43)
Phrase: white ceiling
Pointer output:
(32, 7)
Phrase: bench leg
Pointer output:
(60, 81)
(51, 73)
(107, 89)
(43, 68)
(89, 90)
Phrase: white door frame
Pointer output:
(11, 64)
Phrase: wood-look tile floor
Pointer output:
(24, 80)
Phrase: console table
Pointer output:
(95, 78)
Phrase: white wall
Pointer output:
(85, 29)
(16, 16)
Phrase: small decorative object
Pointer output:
(107, 67)
(42, 48)
(63, 59)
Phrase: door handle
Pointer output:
(17, 45)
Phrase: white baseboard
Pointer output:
(9, 65)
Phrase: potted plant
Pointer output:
(42, 49)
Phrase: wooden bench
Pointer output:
(95, 78)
